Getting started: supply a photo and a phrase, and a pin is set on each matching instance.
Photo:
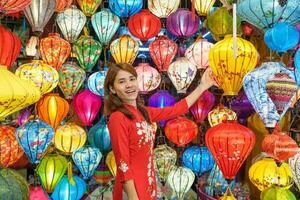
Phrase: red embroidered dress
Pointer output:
(132, 143)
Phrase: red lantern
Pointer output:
(10, 47)
(13, 6)
(202, 106)
(181, 131)
(144, 25)
(247, 29)
(162, 51)
(230, 143)
(61, 5)
(37, 193)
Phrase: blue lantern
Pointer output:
(34, 138)
(291, 13)
(297, 66)
(67, 191)
(98, 136)
(96, 82)
(198, 159)
(125, 8)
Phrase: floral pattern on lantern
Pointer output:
(13, 6)
(221, 114)
(163, 8)
(89, 7)
(96, 82)
(148, 77)
(125, 8)
(202, 106)
(203, 6)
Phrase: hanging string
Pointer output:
(234, 30)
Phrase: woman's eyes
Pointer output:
(132, 79)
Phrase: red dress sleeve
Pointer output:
(119, 135)
(158, 114)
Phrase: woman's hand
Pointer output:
(208, 79)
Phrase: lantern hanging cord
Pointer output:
(234, 30)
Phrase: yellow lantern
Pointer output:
(111, 163)
(69, 137)
(89, 7)
(277, 193)
(220, 114)
(124, 49)
(203, 6)
(15, 93)
(229, 70)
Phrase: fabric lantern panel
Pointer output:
(294, 164)
(163, 8)
(96, 82)
(202, 106)
(61, 5)
(23, 116)
(125, 8)
(220, 114)
(13, 6)
(37, 193)
(111, 163)
(277, 193)
(89, 7)
(242, 107)
(297, 66)
(203, 6)
(148, 77)
(102, 174)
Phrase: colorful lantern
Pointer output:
(71, 23)
(125, 8)
(37, 193)
(162, 51)
(230, 143)
(102, 174)
(163, 8)
(52, 109)
(295, 168)
(182, 72)
(277, 193)
(105, 24)
(220, 114)
(96, 82)
(61, 5)
(297, 66)
(182, 24)
(203, 6)
(124, 49)
(39, 74)
(24, 116)
(10, 46)
(247, 29)
(54, 50)
(89, 7)
(111, 163)
(202, 106)
(228, 70)
(242, 107)
(71, 78)
(148, 77)
(13, 6)
(50, 170)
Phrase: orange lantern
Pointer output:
(52, 109)
(61, 5)
(13, 6)
(89, 7)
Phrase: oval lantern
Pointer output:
(148, 77)
(61, 5)
(96, 82)
(71, 78)
(111, 163)
(124, 49)
(242, 107)
(13, 6)
(163, 8)
(182, 72)
(89, 7)
(277, 193)
(295, 168)
(34, 137)
(37, 193)
(105, 24)
(69, 137)
(230, 143)
(125, 8)
(203, 6)
(50, 170)
(202, 106)
(54, 50)
(102, 174)
(162, 51)
(220, 114)
(52, 109)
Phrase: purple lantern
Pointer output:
(24, 116)
(181, 23)
(242, 107)
(202, 106)
(161, 99)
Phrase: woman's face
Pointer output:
(126, 87)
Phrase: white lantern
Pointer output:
(148, 77)
(163, 8)
(294, 164)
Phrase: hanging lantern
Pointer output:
(182, 72)
(111, 163)
(69, 137)
(247, 29)
(228, 70)
(39, 74)
(202, 106)
(124, 49)
(182, 24)
(24, 115)
(87, 51)
(71, 23)
(163, 8)
(162, 51)
(220, 114)
(13, 6)
(230, 143)
(203, 6)
(61, 5)
(54, 50)
(181, 131)
(52, 109)
(125, 8)
(71, 78)
(295, 168)
(10, 46)
(96, 82)
(242, 107)
(265, 173)
(37, 193)
(105, 24)
(297, 66)
(148, 78)
(50, 170)
(102, 174)
(89, 7)
(277, 193)
(38, 13)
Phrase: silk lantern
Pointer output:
(163, 8)
(203, 6)
(69, 137)
(10, 47)
(102, 174)
(50, 170)
(24, 115)
(37, 193)
(229, 70)
(202, 106)
(13, 6)
(247, 29)
(111, 163)
(242, 107)
(54, 50)
(125, 8)
(162, 51)
(52, 109)
(277, 193)
(71, 78)
(96, 82)
(295, 168)
(34, 137)
(71, 23)
(221, 114)
(297, 66)
(61, 5)
(124, 49)
(89, 7)
(230, 143)
(105, 24)
(148, 77)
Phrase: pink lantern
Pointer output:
(37, 193)
(148, 77)
(202, 106)
(87, 105)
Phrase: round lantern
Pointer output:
(230, 143)
(228, 70)
(111, 163)
(50, 170)
(148, 77)
(203, 6)
(34, 137)
(163, 8)
(182, 72)
(69, 137)
(277, 193)
(39, 74)
(24, 115)
(220, 114)
(96, 82)
(71, 23)
(13, 6)
(54, 50)
(162, 51)
(37, 193)
(71, 78)
(242, 107)
(102, 174)
(202, 106)
(125, 8)
(294, 164)
(105, 24)
(181, 131)
(52, 109)
(61, 5)
(89, 7)
(247, 29)
(182, 24)
(124, 49)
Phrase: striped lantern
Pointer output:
(203, 6)
(89, 7)
(102, 174)
(13, 6)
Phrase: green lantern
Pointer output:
(277, 193)
(51, 169)
(87, 51)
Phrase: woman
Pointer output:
(131, 131)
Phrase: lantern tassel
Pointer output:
(70, 174)
(193, 10)
(234, 30)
